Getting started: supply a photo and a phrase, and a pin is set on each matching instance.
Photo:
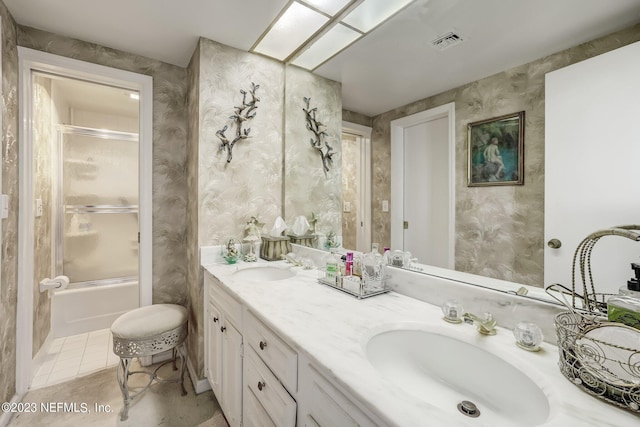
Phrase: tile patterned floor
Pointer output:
(75, 356)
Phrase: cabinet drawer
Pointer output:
(224, 301)
(268, 391)
(326, 406)
(253, 414)
(275, 353)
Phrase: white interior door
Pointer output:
(592, 177)
(426, 199)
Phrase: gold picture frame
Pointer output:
(495, 150)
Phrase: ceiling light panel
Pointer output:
(330, 7)
(372, 13)
(332, 42)
(294, 27)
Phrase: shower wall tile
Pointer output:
(499, 230)
(9, 249)
(169, 151)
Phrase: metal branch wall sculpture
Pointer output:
(320, 134)
(243, 114)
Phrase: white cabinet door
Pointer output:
(231, 403)
(214, 349)
(592, 147)
(322, 404)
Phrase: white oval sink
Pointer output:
(267, 272)
(445, 371)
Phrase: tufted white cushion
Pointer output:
(148, 321)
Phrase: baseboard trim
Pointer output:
(199, 385)
(5, 417)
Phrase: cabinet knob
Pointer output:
(215, 319)
(261, 385)
(223, 328)
(263, 345)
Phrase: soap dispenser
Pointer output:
(632, 288)
(625, 307)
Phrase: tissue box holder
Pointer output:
(274, 248)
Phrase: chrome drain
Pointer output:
(469, 409)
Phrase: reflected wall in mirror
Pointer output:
(307, 188)
(499, 230)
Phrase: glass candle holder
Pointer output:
(452, 311)
(528, 336)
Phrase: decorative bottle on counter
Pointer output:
(373, 269)
(332, 267)
(625, 307)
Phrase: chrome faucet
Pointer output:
(486, 325)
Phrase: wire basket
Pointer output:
(600, 357)
(605, 368)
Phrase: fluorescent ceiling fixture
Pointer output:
(371, 13)
(291, 30)
(332, 42)
(330, 7)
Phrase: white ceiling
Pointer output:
(390, 67)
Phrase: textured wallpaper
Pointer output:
(350, 190)
(195, 339)
(43, 137)
(8, 287)
(499, 230)
(307, 188)
(169, 151)
(251, 184)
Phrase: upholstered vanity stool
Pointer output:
(144, 332)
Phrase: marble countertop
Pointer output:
(331, 329)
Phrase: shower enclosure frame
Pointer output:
(62, 209)
(30, 61)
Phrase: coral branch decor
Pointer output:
(319, 140)
(240, 119)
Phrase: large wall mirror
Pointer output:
(516, 251)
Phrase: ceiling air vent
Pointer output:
(446, 41)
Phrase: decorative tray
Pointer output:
(355, 286)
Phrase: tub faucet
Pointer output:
(486, 325)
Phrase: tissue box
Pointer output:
(274, 248)
(306, 240)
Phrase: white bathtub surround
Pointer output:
(331, 329)
(90, 308)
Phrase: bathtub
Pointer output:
(85, 309)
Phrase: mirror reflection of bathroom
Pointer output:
(356, 187)
(86, 189)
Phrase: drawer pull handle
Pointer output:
(215, 319)
(263, 345)
(261, 385)
(223, 328)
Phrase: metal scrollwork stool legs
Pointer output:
(145, 332)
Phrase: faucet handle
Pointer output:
(528, 336)
(452, 311)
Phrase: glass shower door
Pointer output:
(98, 197)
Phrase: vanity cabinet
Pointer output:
(323, 404)
(260, 380)
(223, 366)
(270, 374)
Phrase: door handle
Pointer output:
(554, 243)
